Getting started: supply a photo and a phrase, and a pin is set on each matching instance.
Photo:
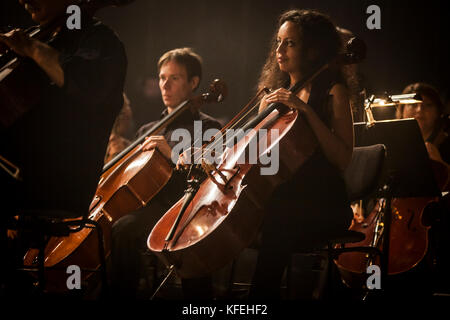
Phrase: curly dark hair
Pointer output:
(318, 34)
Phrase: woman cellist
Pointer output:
(313, 204)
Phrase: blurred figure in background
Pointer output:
(146, 98)
(433, 123)
(434, 126)
(120, 133)
(354, 80)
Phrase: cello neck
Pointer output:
(281, 107)
(164, 122)
(217, 93)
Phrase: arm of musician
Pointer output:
(340, 153)
(91, 73)
(48, 59)
(116, 144)
(193, 155)
(263, 104)
(337, 144)
(45, 56)
(434, 153)
(159, 142)
(188, 157)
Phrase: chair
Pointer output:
(362, 178)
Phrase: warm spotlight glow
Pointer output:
(200, 230)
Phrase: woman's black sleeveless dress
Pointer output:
(303, 212)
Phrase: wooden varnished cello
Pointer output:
(129, 182)
(221, 215)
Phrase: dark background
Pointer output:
(233, 39)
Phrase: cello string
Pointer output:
(214, 141)
(295, 88)
(217, 139)
(247, 113)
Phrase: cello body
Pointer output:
(225, 216)
(408, 240)
(410, 225)
(128, 187)
(353, 265)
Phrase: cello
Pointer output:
(223, 206)
(129, 181)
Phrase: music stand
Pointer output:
(408, 168)
(384, 113)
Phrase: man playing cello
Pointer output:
(180, 72)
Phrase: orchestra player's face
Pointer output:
(288, 50)
(426, 114)
(174, 84)
(43, 11)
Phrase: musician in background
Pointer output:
(146, 93)
(313, 204)
(118, 139)
(60, 144)
(355, 80)
(433, 123)
(180, 72)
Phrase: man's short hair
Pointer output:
(186, 57)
